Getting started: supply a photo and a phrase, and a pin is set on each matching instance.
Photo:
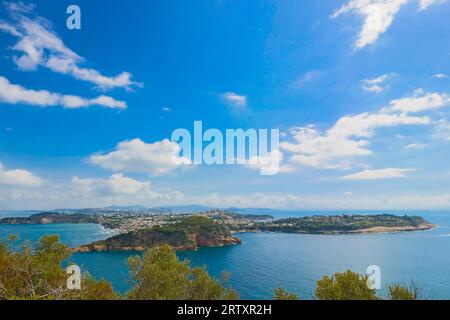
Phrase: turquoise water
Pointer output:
(71, 234)
(266, 261)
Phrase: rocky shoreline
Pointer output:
(99, 247)
(421, 227)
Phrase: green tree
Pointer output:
(36, 273)
(160, 275)
(398, 292)
(281, 294)
(347, 285)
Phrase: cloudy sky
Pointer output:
(360, 90)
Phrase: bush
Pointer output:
(160, 275)
(281, 294)
(36, 273)
(347, 285)
(397, 292)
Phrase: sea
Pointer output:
(266, 261)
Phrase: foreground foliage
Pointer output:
(159, 275)
(35, 273)
(281, 294)
(344, 286)
(397, 292)
(350, 285)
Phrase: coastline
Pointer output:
(378, 230)
(233, 240)
(372, 230)
(100, 248)
(216, 228)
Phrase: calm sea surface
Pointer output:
(266, 261)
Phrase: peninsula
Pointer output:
(190, 234)
(347, 224)
(215, 228)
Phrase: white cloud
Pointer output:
(139, 157)
(122, 190)
(376, 85)
(19, 6)
(117, 189)
(388, 173)
(39, 45)
(235, 99)
(18, 178)
(419, 102)
(166, 109)
(116, 184)
(440, 76)
(15, 94)
(378, 16)
(424, 4)
(442, 130)
(270, 163)
(261, 200)
(5, 27)
(349, 137)
(306, 78)
(415, 146)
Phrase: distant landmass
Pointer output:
(178, 209)
(53, 218)
(214, 227)
(124, 222)
(115, 210)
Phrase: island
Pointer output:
(215, 228)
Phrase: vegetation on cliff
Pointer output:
(52, 218)
(346, 224)
(190, 234)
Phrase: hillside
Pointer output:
(347, 224)
(51, 218)
(190, 234)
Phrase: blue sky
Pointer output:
(359, 89)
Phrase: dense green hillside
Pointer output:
(347, 224)
(191, 233)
